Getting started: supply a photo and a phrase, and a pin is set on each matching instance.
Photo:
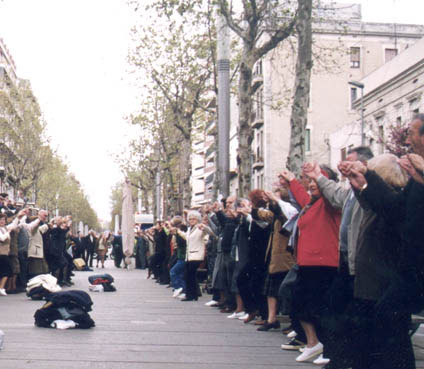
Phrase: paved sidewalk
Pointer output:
(139, 326)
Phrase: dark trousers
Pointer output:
(23, 274)
(156, 263)
(250, 283)
(192, 286)
(118, 255)
(90, 258)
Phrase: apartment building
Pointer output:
(392, 95)
(345, 49)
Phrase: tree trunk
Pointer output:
(299, 113)
(185, 165)
(245, 134)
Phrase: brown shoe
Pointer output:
(260, 322)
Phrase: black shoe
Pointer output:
(188, 299)
(293, 345)
(287, 330)
(267, 326)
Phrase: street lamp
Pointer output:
(361, 86)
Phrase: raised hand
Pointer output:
(413, 163)
(287, 175)
(357, 179)
(312, 170)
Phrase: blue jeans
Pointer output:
(177, 275)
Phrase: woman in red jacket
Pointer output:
(317, 254)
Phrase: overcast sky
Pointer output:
(74, 53)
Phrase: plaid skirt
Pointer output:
(272, 284)
(14, 264)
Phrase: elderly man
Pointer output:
(36, 259)
(405, 212)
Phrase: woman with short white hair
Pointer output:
(196, 251)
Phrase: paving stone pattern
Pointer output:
(140, 326)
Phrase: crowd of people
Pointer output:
(343, 259)
(32, 244)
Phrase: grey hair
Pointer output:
(388, 168)
(194, 214)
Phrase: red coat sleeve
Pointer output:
(299, 193)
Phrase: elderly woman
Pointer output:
(195, 252)
(5, 270)
(317, 254)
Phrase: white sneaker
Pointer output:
(181, 296)
(321, 360)
(177, 292)
(211, 303)
(310, 352)
(236, 315)
(291, 334)
(243, 317)
(3, 292)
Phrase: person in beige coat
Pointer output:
(36, 259)
(5, 270)
(195, 252)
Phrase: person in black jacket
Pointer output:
(118, 252)
(405, 212)
(89, 242)
(228, 222)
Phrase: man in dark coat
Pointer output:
(89, 243)
(405, 210)
(118, 252)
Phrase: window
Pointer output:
(308, 140)
(355, 57)
(259, 105)
(258, 68)
(259, 145)
(389, 54)
(353, 96)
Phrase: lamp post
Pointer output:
(361, 86)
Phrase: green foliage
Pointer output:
(174, 61)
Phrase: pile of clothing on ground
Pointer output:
(39, 287)
(65, 309)
(101, 283)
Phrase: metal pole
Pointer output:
(139, 201)
(223, 106)
(362, 117)
(158, 196)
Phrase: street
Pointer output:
(139, 326)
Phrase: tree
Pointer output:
(261, 26)
(299, 114)
(177, 72)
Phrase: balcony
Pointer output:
(257, 81)
(210, 151)
(257, 119)
(258, 163)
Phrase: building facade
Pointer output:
(393, 94)
(343, 52)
